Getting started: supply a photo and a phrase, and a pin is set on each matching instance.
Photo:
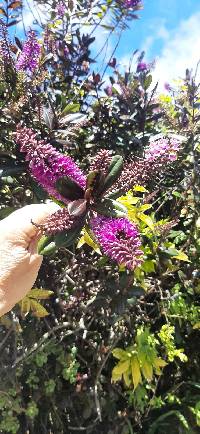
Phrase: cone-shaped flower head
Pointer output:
(60, 9)
(29, 58)
(60, 221)
(119, 239)
(101, 161)
(46, 164)
(158, 155)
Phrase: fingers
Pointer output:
(18, 281)
(19, 224)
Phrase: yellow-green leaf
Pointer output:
(119, 353)
(120, 368)
(136, 373)
(181, 257)
(146, 219)
(87, 239)
(38, 309)
(147, 370)
(25, 305)
(127, 377)
(140, 188)
(159, 363)
(39, 294)
(145, 207)
(196, 326)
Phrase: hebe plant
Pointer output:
(118, 292)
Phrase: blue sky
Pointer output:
(157, 15)
(168, 31)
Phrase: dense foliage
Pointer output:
(108, 340)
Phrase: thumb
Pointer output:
(19, 226)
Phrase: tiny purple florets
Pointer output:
(119, 239)
(60, 9)
(131, 3)
(142, 66)
(163, 149)
(29, 58)
(45, 163)
(5, 55)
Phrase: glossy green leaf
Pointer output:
(69, 189)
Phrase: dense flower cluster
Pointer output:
(101, 161)
(142, 66)
(4, 44)
(29, 58)
(60, 9)
(119, 239)
(163, 149)
(158, 155)
(60, 221)
(46, 164)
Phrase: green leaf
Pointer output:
(40, 294)
(120, 354)
(43, 242)
(69, 189)
(111, 208)
(147, 82)
(146, 219)
(38, 309)
(148, 266)
(70, 108)
(140, 188)
(136, 373)
(62, 239)
(114, 172)
(95, 180)
(49, 249)
(67, 238)
(120, 368)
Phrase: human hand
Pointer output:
(19, 260)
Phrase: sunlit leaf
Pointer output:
(147, 370)
(87, 239)
(40, 294)
(140, 188)
(146, 219)
(38, 309)
(119, 353)
(121, 368)
(136, 373)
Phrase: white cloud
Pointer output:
(181, 50)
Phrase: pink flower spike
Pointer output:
(119, 239)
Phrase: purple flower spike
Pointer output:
(29, 58)
(5, 55)
(60, 221)
(162, 149)
(142, 66)
(119, 239)
(60, 9)
(46, 164)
